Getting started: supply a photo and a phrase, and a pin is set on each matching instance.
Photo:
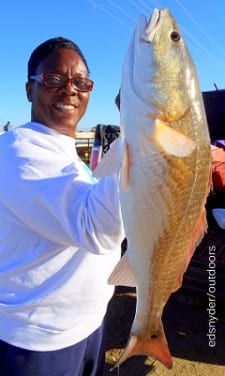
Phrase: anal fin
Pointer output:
(123, 274)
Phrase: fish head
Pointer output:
(158, 74)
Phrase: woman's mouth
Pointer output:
(64, 107)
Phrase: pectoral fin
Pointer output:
(172, 141)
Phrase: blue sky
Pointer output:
(102, 29)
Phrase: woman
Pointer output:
(60, 229)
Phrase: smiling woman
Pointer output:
(60, 229)
(58, 86)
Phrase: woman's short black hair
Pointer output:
(46, 48)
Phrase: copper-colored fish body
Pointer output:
(165, 176)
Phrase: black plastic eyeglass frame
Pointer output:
(41, 78)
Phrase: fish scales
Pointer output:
(164, 196)
(162, 267)
(165, 175)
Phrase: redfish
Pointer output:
(165, 175)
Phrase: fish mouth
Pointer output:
(152, 26)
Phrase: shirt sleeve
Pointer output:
(58, 201)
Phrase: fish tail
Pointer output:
(155, 347)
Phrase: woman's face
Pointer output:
(59, 108)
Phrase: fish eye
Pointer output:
(175, 36)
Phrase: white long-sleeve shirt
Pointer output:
(60, 237)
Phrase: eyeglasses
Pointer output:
(58, 80)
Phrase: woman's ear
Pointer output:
(29, 91)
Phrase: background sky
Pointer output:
(102, 29)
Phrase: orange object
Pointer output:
(218, 168)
